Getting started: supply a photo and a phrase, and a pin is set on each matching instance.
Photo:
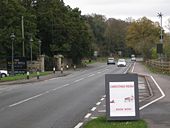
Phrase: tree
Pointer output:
(10, 22)
(62, 30)
(142, 36)
(115, 35)
(97, 25)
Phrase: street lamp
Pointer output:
(31, 40)
(161, 36)
(39, 41)
(12, 36)
(160, 16)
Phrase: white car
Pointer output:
(133, 59)
(4, 73)
(121, 63)
(110, 60)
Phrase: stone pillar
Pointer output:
(58, 61)
(42, 65)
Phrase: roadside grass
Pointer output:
(22, 76)
(101, 122)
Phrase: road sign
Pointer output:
(20, 65)
(122, 99)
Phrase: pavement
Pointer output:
(34, 79)
(157, 109)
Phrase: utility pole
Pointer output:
(161, 34)
(12, 36)
(23, 43)
(31, 41)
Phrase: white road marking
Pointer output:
(105, 70)
(23, 101)
(66, 85)
(94, 117)
(79, 125)
(98, 72)
(98, 103)
(53, 78)
(162, 93)
(36, 96)
(133, 67)
(102, 111)
(126, 70)
(102, 99)
(91, 75)
(88, 115)
(93, 109)
(78, 80)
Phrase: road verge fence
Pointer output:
(159, 65)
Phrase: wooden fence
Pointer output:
(160, 65)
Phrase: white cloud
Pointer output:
(121, 9)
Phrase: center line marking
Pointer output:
(102, 99)
(88, 115)
(79, 80)
(78, 125)
(36, 96)
(93, 109)
(91, 75)
(23, 101)
(98, 103)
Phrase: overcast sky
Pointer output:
(122, 9)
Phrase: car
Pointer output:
(110, 60)
(121, 63)
(133, 59)
(4, 73)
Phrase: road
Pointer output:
(55, 103)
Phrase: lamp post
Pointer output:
(31, 40)
(12, 36)
(161, 35)
(39, 41)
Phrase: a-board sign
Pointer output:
(122, 99)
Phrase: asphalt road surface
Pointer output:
(55, 103)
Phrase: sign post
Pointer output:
(122, 99)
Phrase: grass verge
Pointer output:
(101, 122)
(22, 76)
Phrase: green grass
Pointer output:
(101, 122)
(22, 76)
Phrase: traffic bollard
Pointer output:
(38, 74)
(28, 75)
(54, 70)
(74, 67)
(67, 66)
(61, 69)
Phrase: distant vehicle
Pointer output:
(121, 63)
(133, 58)
(4, 73)
(110, 60)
